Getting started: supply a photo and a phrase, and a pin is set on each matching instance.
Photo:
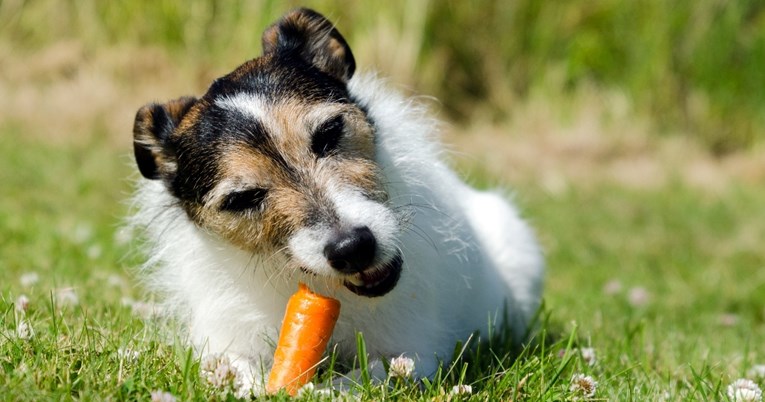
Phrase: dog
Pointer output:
(293, 168)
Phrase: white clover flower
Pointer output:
(401, 367)
(123, 236)
(324, 393)
(744, 390)
(24, 331)
(128, 354)
(310, 390)
(210, 362)
(306, 390)
(583, 385)
(162, 396)
(115, 280)
(21, 304)
(638, 296)
(219, 372)
(28, 279)
(461, 389)
(757, 371)
(94, 251)
(67, 297)
(588, 355)
(22, 368)
(612, 287)
(728, 319)
(225, 375)
(145, 310)
(82, 233)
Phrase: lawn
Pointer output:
(665, 287)
(629, 135)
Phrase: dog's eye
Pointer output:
(327, 137)
(244, 200)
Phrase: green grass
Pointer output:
(693, 66)
(698, 255)
(666, 285)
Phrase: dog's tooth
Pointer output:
(356, 280)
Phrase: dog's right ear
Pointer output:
(154, 123)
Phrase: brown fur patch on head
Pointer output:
(297, 181)
(294, 122)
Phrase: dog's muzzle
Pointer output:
(376, 281)
(352, 253)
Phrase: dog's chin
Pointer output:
(377, 281)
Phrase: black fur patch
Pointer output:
(327, 137)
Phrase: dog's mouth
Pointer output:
(377, 281)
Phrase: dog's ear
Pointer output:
(307, 34)
(153, 125)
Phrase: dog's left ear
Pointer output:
(308, 35)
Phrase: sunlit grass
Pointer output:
(656, 291)
(652, 293)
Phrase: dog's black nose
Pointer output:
(352, 250)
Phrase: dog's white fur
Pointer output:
(468, 258)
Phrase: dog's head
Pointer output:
(277, 157)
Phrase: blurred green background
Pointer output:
(632, 131)
(695, 68)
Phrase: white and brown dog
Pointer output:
(291, 168)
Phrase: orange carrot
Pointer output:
(307, 327)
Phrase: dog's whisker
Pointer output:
(275, 254)
(423, 234)
(254, 260)
(277, 273)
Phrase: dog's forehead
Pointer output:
(279, 119)
(264, 93)
(274, 77)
